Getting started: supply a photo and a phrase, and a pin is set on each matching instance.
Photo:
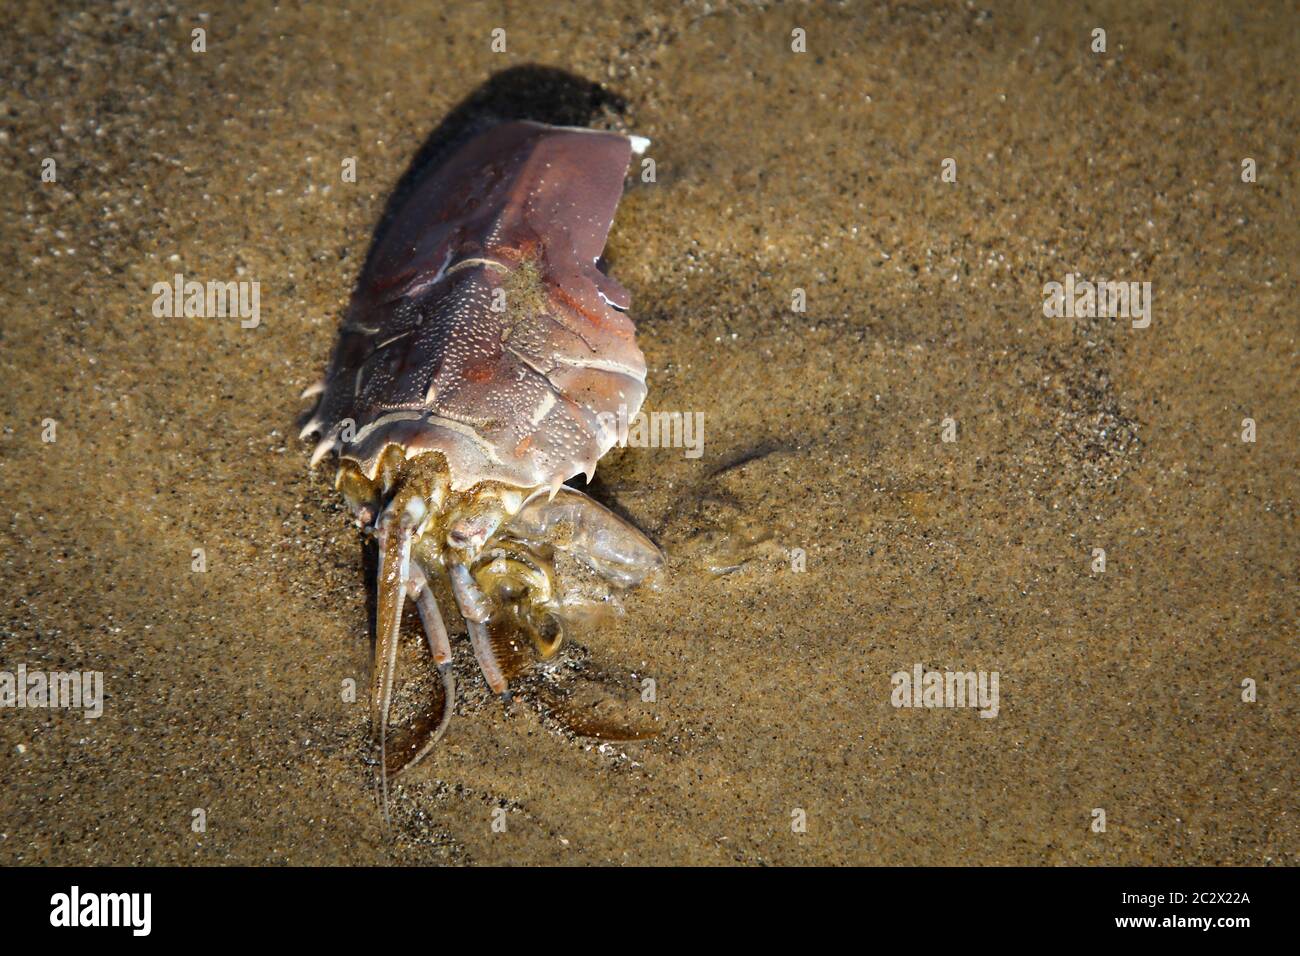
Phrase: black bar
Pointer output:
(945, 906)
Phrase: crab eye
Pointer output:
(467, 533)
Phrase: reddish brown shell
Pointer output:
(527, 395)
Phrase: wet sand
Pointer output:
(1119, 690)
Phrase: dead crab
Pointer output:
(481, 364)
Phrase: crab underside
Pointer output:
(495, 545)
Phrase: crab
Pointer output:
(483, 361)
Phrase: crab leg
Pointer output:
(434, 630)
(436, 633)
(394, 571)
(487, 659)
(476, 610)
(473, 603)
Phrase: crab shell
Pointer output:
(482, 327)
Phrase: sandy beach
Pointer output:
(905, 466)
